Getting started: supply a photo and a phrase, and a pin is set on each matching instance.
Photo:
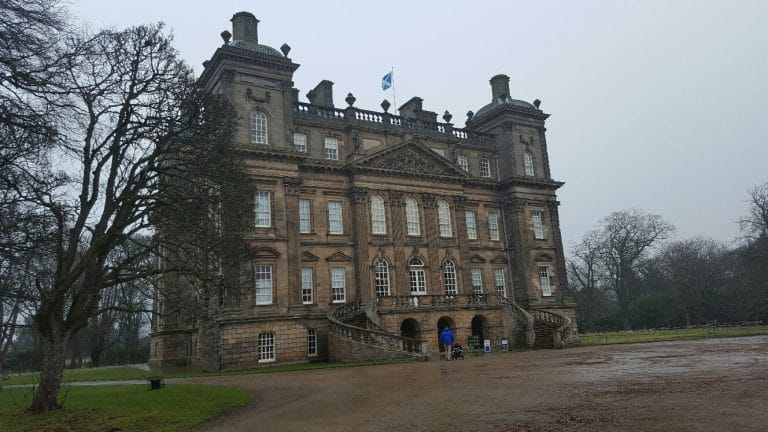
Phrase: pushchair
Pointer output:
(457, 352)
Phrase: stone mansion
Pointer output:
(372, 230)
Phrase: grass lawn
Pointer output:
(177, 407)
(637, 336)
(125, 373)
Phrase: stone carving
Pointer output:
(411, 160)
(359, 195)
(250, 97)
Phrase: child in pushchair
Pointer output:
(457, 352)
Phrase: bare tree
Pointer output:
(624, 239)
(588, 280)
(755, 224)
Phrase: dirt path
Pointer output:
(706, 385)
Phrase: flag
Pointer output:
(386, 81)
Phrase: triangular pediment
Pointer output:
(412, 158)
(308, 256)
(339, 257)
(477, 259)
(499, 259)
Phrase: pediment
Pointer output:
(265, 252)
(308, 256)
(544, 258)
(499, 259)
(339, 257)
(412, 158)
(477, 259)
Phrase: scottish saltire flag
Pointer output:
(386, 81)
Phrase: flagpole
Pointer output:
(394, 93)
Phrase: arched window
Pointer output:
(417, 276)
(259, 128)
(378, 218)
(381, 277)
(444, 219)
(412, 217)
(528, 163)
(449, 278)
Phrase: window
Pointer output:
(493, 225)
(331, 148)
(378, 218)
(544, 281)
(338, 285)
(485, 167)
(266, 347)
(417, 277)
(311, 342)
(300, 142)
(477, 280)
(263, 210)
(263, 277)
(463, 162)
(528, 163)
(449, 278)
(444, 219)
(469, 216)
(259, 128)
(381, 277)
(307, 285)
(305, 216)
(335, 225)
(412, 217)
(500, 282)
(538, 227)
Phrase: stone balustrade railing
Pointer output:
(430, 301)
(560, 334)
(376, 338)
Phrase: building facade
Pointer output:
(373, 230)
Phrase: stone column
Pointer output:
(560, 271)
(294, 239)
(432, 232)
(396, 276)
(460, 225)
(515, 214)
(360, 236)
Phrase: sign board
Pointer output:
(505, 345)
(487, 346)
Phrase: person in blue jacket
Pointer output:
(446, 338)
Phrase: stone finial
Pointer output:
(285, 49)
(226, 36)
(537, 103)
(470, 114)
(447, 116)
(385, 105)
(245, 27)
(350, 99)
(500, 87)
(206, 63)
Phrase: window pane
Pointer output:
(258, 127)
(449, 278)
(500, 282)
(263, 211)
(469, 216)
(485, 168)
(305, 221)
(412, 217)
(463, 162)
(335, 225)
(477, 280)
(263, 277)
(378, 218)
(493, 225)
(331, 148)
(266, 346)
(300, 142)
(417, 277)
(528, 162)
(338, 285)
(307, 285)
(381, 278)
(546, 289)
(311, 342)
(538, 227)
(444, 219)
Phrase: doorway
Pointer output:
(443, 322)
(411, 332)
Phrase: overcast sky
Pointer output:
(659, 105)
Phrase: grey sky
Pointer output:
(659, 105)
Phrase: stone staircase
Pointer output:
(551, 329)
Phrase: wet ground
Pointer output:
(704, 385)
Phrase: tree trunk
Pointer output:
(54, 347)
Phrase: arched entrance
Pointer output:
(442, 323)
(480, 327)
(410, 330)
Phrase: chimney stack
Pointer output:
(500, 87)
(245, 27)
